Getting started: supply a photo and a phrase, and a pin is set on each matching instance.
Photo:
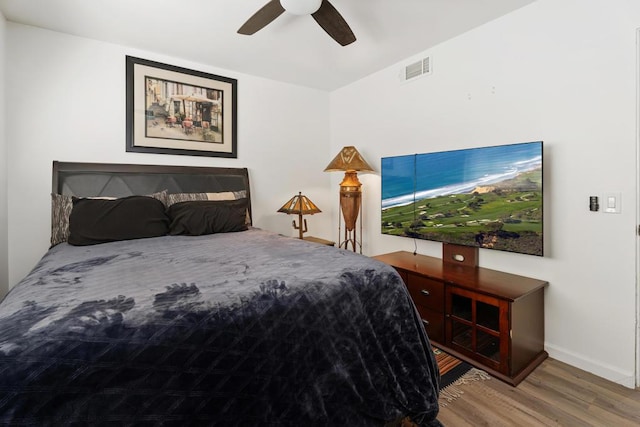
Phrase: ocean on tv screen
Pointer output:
(489, 197)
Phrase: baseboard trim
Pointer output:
(609, 372)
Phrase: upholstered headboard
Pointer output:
(120, 180)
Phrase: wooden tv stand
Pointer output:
(490, 319)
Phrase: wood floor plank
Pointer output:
(621, 398)
(558, 394)
(606, 401)
(530, 411)
(513, 412)
(555, 394)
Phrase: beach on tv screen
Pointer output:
(488, 197)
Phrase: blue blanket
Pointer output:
(247, 329)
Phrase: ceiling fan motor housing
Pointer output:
(301, 7)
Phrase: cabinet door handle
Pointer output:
(426, 322)
(425, 292)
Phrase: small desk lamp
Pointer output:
(350, 161)
(300, 205)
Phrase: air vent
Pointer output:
(413, 70)
(426, 65)
(417, 69)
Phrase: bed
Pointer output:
(244, 328)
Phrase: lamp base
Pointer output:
(302, 228)
(356, 246)
(351, 207)
(350, 218)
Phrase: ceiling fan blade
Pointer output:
(333, 23)
(261, 18)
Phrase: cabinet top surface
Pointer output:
(493, 282)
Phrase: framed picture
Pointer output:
(174, 110)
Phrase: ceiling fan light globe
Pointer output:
(301, 7)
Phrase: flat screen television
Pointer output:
(488, 197)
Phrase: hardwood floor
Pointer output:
(555, 394)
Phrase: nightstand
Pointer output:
(319, 240)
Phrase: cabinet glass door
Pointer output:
(474, 326)
(462, 321)
(488, 331)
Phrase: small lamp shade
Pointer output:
(300, 205)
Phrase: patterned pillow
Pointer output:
(61, 206)
(190, 197)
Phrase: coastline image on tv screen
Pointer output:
(487, 197)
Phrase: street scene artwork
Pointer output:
(175, 110)
(180, 111)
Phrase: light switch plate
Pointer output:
(611, 203)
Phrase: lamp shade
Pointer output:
(348, 159)
(300, 205)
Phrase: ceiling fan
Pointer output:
(321, 10)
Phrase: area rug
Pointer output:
(454, 374)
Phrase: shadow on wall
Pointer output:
(4, 282)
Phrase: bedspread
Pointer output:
(247, 329)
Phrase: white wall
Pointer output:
(4, 269)
(65, 101)
(561, 71)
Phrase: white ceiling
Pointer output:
(292, 49)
